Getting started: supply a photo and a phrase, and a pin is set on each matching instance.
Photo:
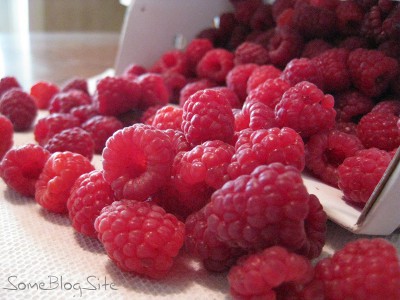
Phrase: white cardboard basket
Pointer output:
(152, 27)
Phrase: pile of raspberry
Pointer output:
(204, 151)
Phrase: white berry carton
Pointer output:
(152, 27)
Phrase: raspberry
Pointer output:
(353, 42)
(374, 271)
(259, 275)
(174, 82)
(190, 88)
(168, 117)
(51, 124)
(137, 161)
(325, 151)
(21, 167)
(303, 69)
(133, 70)
(100, 129)
(57, 178)
(358, 175)
(371, 71)
(207, 115)
(278, 6)
(391, 48)
(140, 237)
(378, 129)
(63, 102)
(251, 53)
(237, 79)
(73, 139)
(75, 83)
(257, 115)
(174, 61)
(265, 146)
(195, 50)
(261, 74)
(346, 127)
(229, 94)
(306, 109)
(262, 18)
(215, 65)
(154, 90)
(178, 140)
(315, 47)
(89, 195)
(7, 83)
(7, 135)
(84, 112)
(19, 107)
(116, 95)
(349, 16)
(352, 105)
(388, 106)
(42, 92)
(245, 9)
(285, 18)
(147, 116)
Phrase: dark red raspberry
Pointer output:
(73, 139)
(63, 102)
(116, 95)
(207, 115)
(229, 94)
(353, 42)
(245, 9)
(251, 53)
(195, 50)
(379, 130)
(191, 87)
(84, 112)
(303, 69)
(7, 135)
(349, 17)
(42, 92)
(57, 178)
(265, 146)
(215, 65)
(359, 174)
(262, 18)
(390, 26)
(21, 167)
(89, 195)
(306, 109)
(371, 71)
(133, 70)
(259, 275)
(352, 105)
(278, 6)
(154, 90)
(388, 106)
(140, 237)
(49, 125)
(257, 115)
(285, 18)
(75, 83)
(178, 140)
(391, 48)
(19, 107)
(174, 82)
(100, 129)
(374, 272)
(226, 23)
(168, 117)
(137, 161)
(174, 61)
(315, 47)
(261, 74)
(237, 79)
(325, 151)
(7, 83)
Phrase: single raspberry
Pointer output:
(42, 92)
(237, 79)
(390, 24)
(245, 9)
(73, 139)
(388, 106)
(226, 23)
(358, 175)
(63, 102)
(154, 90)
(265, 146)
(353, 42)
(59, 173)
(371, 71)
(374, 271)
(325, 151)
(251, 53)
(229, 94)
(303, 69)
(19, 107)
(171, 61)
(262, 38)
(259, 275)
(49, 125)
(116, 95)
(195, 50)
(278, 6)
(75, 83)
(315, 47)
(84, 112)
(371, 26)
(21, 167)
(100, 129)
(174, 82)
(262, 18)
(7, 83)
(140, 237)
(191, 87)
(261, 74)
(168, 117)
(257, 115)
(144, 164)
(207, 115)
(285, 18)
(306, 109)
(349, 16)
(215, 65)
(7, 135)
(132, 71)
(89, 195)
(178, 140)
(214, 35)
(351, 105)
(379, 130)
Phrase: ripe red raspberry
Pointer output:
(195, 50)
(75, 83)
(285, 18)
(133, 70)
(19, 107)
(192, 87)
(21, 167)
(207, 115)
(257, 115)
(259, 275)
(303, 69)
(49, 125)
(351, 105)
(140, 237)
(116, 95)
(154, 90)
(84, 112)
(388, 106)
(349, 17)
(325, 151)
(346, 127)
(174, 61)
(237, 79)
(265, 146)
(374, 272)
(379, 130)
(137, 161)
(42, 92)
(358, 175)
(371, 71)
(229, 94)
(7, 135)
(278, 6)
(59, 173)
(306, 109)
(174, 82)
(89, 195)
(178, 140)
(63, 102)
(261, 74)
(100, 129)
(215, 65)
(168, 117)
(315, 47)
(251, 53)
(7, 83)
